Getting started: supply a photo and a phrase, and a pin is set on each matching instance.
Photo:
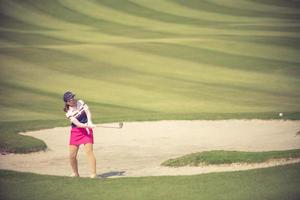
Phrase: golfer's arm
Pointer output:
(88, 114)
(78, 124)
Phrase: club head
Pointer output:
(120, 124)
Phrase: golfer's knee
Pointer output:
(73, 156)
(89, 151)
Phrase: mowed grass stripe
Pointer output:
(145, 12)
(292, 28)
(174, 8)
(137, 66)
(58, 12)
(96, 10)
(213, 57)
(163, 71)
(257, 6)
(225, 9)
(159, 34)
(11, 23)
(162, 56)
(141, 11)
(270, 25)
(101, 11)
(108, 29)
(52, 105)
(281, 41)
(280, 3)
(15, 110)
(237, 23)
(125, 92)
(159, 98)
(24, 12)
(153, 63)
(129, 18)
(32, 13)
(254, 49)
(42, 56)
(61, 12)
(33, 39)
(46, 76)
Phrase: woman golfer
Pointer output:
(81, 132)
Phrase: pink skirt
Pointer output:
(81, 136)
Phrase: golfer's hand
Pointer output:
(91, 125)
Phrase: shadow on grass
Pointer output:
(111, 174)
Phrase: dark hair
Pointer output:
(66, 108)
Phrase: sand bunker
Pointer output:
(139, 148)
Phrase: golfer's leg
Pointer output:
(90, 154)
(73, 159)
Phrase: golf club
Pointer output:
(120, 125)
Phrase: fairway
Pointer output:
(150, 60)
(185, 76)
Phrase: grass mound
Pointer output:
(229, 157)
(12, 142)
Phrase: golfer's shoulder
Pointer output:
(81, 104)
(69, 113)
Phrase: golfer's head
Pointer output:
(69, 98)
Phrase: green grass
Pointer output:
(274, 183)
(13, 142)
(146, 60)
(228, 157)
(139, 58)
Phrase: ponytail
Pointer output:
(66, 108)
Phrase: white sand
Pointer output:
(139, 148)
